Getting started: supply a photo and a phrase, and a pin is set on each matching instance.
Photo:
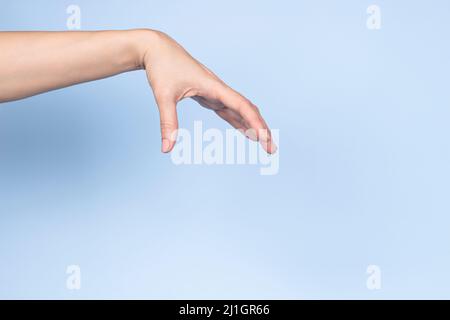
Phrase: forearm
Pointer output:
(35, 62)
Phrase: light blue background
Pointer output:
(364, 159)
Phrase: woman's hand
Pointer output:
(174, 75)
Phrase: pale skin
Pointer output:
(36, 62)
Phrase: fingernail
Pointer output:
(165, 146)
(274, 148)
(265, 145)
(251, 134)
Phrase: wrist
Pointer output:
(145, 43)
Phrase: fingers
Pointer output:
(250, 114)
(229, 115)
(169, 124)
(232, 118)
(237, 122)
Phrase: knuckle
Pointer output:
(167, 125)
(244, 104)
(254, 116)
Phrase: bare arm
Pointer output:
(35, 62)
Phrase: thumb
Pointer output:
(169, 124)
